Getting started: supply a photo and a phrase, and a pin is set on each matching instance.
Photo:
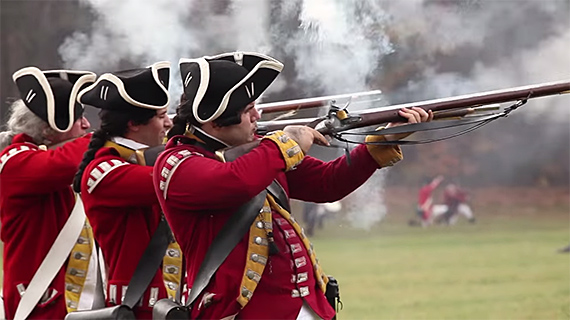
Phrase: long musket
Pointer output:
(308, 103)
(339, 120)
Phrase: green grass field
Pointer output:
(504, 267)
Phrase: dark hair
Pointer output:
(184, 116)
(180, 121)
(114, 123)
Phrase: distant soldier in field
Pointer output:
(425, 200)
(455, 201)
(314, 214)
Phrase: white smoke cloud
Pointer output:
(251, 22)
(437, 28)
(336, 46)
(136, 32)
(365, 207)
(499, 44)
(339, 44)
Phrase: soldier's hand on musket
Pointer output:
(305, 136)
(413, 115)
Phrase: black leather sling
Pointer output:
(141, 279)
(224, 242)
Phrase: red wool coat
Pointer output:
(124, 213)
(202, 194)
(35, 202)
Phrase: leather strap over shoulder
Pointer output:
(278, 193)
(148, 264)
(224, 242)
(50, 266)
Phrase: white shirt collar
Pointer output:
(131, 144)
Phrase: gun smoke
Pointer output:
(413, 49)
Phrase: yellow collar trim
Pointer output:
(125, 153)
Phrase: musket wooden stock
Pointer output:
(267, 126)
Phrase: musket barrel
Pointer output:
(445, 107)
(456, 106)
(298, 104)
(375, 117)
(268, 126)
(276, 107)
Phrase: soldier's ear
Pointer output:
(131, 126)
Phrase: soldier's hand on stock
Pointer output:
(305, 137)
(413, 115)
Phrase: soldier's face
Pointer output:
(152, 134)
(243, 132)
(78, 129)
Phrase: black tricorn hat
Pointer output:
(124, 90)
(219, 87)
(52, 94)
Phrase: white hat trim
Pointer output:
(241, 53)
(63, 73)
(203, 64)
(88, 76)
(121, 88)
(73, 97)
(155, 67)
(37, 73)
(277, 66)
(204, 82)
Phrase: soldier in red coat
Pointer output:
(115, 182)
(425, 200)
(456, 200)
(273, 271)
(40, 154)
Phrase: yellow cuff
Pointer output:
(385, 155)
(292, 153)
